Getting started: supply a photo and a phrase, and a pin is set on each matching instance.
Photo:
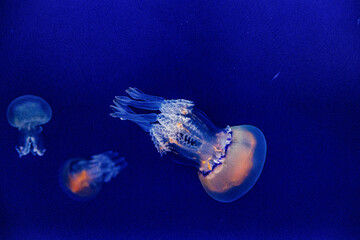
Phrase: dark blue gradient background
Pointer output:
(223, 55)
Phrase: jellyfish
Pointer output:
(27, 113)
(82, 179)
(228, 161)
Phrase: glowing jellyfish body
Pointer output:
(229, 161)
(28, 113)
(82, 179)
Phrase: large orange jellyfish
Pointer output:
(229, 161)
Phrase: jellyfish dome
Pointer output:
(241, 166)
(82, 179)
(229, 161)
(27, 113)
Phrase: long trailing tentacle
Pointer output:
(139, 95)
(177, 128)
(146, 105)
(105, 166)
(123, 111)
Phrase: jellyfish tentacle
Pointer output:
(25, 149)
(177, 128)
(177, 106)
(121, 107)
(102, 168)
(151, 117)
(202, 117)
(143, 120)
(123, 111)
(108, 154)
(36, 150)
(30, 141)
(146, 105)
(139, 95)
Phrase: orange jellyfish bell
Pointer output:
(241, 166)
(229, 160)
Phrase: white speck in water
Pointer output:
(276, 75)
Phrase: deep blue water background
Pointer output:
(223, 55)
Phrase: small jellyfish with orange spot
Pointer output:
(229, 161)
(82, 179)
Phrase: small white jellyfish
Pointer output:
(28, 113)
(229, 161)
(82, 179)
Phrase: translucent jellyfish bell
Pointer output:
(28, 113)
(229, 160)
(82, 179)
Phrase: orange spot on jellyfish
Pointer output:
(82, 179)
